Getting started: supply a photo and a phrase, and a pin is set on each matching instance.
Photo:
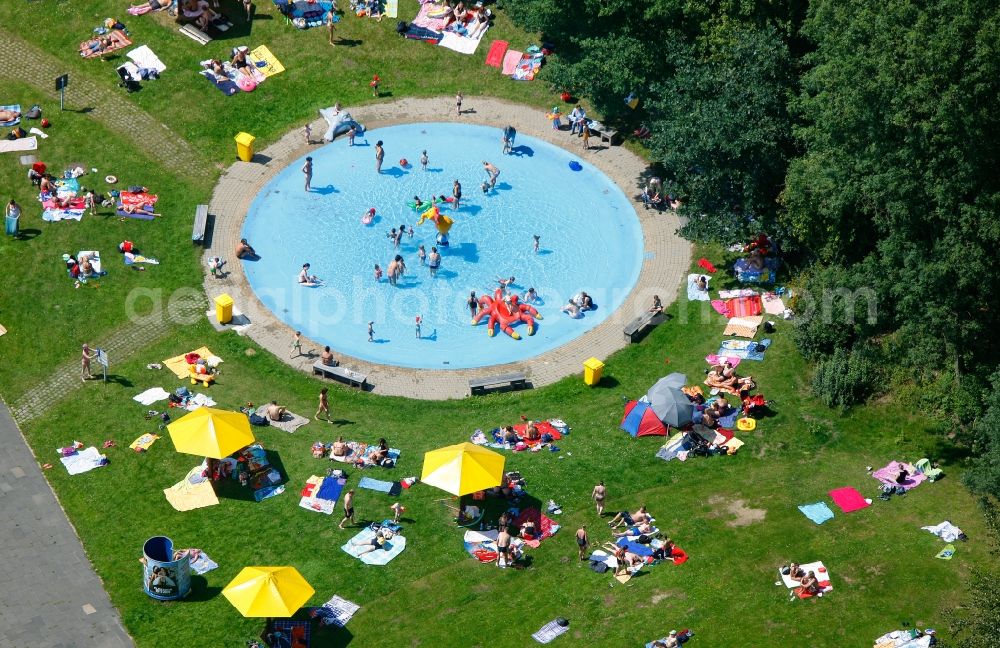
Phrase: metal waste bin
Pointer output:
(224, 308)
(244, 146)
(593, 369)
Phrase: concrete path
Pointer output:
(666, 257)
(50, 596)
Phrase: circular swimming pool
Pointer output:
(589, 239)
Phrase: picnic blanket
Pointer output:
(743, 326)
(144, 442)
(268, 492)
(848, 499)
(17, 120)
(226, 85)
(83, 461)
(675, 448)
(550, 631)
(510, 61)
(527, 67)
(265, 62)
(291, 634)
(733, 294)
(56, 214)
(179, 364)
(424, 19)
(138, 200)
(946, 531)
(320, 494)
(741, 306)
(747, 274)
(359, 454)
(544, 525)
(390, 488)
(693, 293)
(130, 258)
(482, 545)
(193, 492)
(887, 475)
(151, 396)
(290, 421)
(773, 305)
(903, 639)
(462, 44)
(743, 349)
(390, 549)
(494, 57)
(144, 58)
(20, 144)
(818, 512)
(118, 41)
(817, 568)
(335, 612)
(543, 427)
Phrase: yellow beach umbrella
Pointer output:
(268, 591)
(463, 468)
(208, 432)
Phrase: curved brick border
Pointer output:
(667, 255)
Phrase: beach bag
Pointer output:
(16, 133)
(182, 392)
(257, 419)
(34, 112)
(547, 438)
(387, 463)
(598, 566)
(174, 398)
(401, 28)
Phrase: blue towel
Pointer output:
(268, 491)
(377, 485)
(14, 122)
(818, 512)
(635, 547)
(330, 489)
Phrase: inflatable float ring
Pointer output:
(110, 179)
(576, 166)
(746, 424)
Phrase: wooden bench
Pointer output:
(511, 381)
(602, 131)
(200, 223)
(344, 375)
(193, 32)
(320, 369)
(635, 328)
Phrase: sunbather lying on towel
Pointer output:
(643, 529)
(724, 378)
(339, 448)
(627, 561)
(9, 115)
(624, 518)
(96, 46)
(380, 541)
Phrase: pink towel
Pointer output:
(848, 499)
(494, 58)
(713, 359)
(888, 474)
(510, 61)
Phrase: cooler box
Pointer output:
(593, 369)
(224, 308)
(244, 146)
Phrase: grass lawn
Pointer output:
(735, 516)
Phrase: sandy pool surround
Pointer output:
(666, 258)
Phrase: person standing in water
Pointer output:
(537, 241)
(456, 192)
(379, 156)
(423, 161)
(473, 303)
(307, 171)
(434, 261)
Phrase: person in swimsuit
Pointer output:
(379, 156)
(598, 496)
(503, 544)
(348, 508)
(326, 357)
(240, 63)
(324, 405)
(380, 541)
(456, 191)
(472, 303)
(339, 448)
(582, 541)
(493, 172)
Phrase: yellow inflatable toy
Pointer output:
(441, 221)
(746, 424)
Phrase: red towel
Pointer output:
(706, 265)
(848, 499)
(543, 427)
(494, 58)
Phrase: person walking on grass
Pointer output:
(379, 156)
(307, 171)
(348, 508)
(397, 511)
(330, 26)
(296, 349)
(582, 541)
(600, 492)
(374, 85)
(85, 358)
(324, 405)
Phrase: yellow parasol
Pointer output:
(463, 468)
(208, 432)
(268, 591)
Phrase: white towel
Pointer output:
(199, 400)
(40, 133)
(144, 58)
(83, 461)
(946, 531)
(151, 395)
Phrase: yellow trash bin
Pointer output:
(244, 146)
(593, 369)
(224, 308)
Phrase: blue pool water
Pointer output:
(590, 239)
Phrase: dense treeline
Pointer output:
(863, 136)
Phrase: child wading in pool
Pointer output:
(418, 327)
(378, 273)
(351, 134)
(537, 240)
(371, 331)
(423, 161)
(422, 254)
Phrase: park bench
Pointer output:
(321, 369)
(602, 131)
(516, 380)
(200, 223)
(343, 374)
(635, 328)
